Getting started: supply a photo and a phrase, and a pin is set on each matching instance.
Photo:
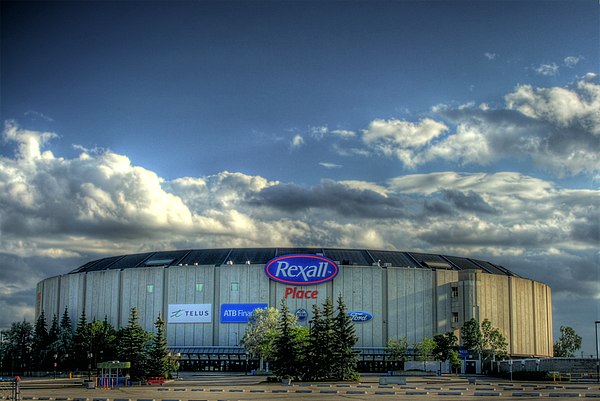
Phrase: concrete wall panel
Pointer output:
(102, 296)
(190, 285)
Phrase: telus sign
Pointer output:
(301, 269)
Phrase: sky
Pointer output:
(468, 128)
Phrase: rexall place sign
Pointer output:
(189, 313)
(301, 269)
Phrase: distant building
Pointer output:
(206, 296)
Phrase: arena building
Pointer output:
(207, 295)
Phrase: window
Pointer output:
(199, 287)
(454, 292)
(150, 288)
(235, 286)
(454, 317)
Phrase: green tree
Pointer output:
(568, 342)
(425, 350)
(18, 346)
(53, 335)
(82, 342)
(159, 362)
(132, 346)
(103, 341)
(493, 342)
(397, 349)
(322, 340)
(259, 338)
(65, 344)
(444, 343)
(346, 358)
(287, 350)
(470, 334)
(455, 362)
(40, 344)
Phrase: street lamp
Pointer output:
(597, 359)
(89, 355)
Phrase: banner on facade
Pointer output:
(189, 313)
(239, 313)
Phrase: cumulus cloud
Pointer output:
(557, 128)
(58, 213)
(402, 138)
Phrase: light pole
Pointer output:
(597, 359)
(89, 355)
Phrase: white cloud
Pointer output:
(490, 56)
(59, 212)
(557, 128)
(297, 141)
(572, 61)
(401, 138)
(329, 165)
(548, 70)
(561, 106)
(366, 186)
(344, 133)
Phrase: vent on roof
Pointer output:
(158, 262)
(438, 265)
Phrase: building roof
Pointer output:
(260, 256)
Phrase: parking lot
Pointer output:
(234, 387)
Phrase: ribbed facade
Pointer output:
(412, 295)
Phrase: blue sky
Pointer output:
(266, 123)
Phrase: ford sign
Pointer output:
(301, 269)
(360, 316)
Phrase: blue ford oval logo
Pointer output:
(301, 269)
(360, 316)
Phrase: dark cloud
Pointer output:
(331, 196)
(467, 201)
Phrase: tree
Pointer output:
(444, 343)
(492, 341)
(104, 338)
(19, 341)
(568, 343)
(40, 343)
(397, 349)
(53, 334)
(82, 341)
(287, 351)
(159, 362)
(132, 344)
(455, 362)
(425, 349)
(259, 338)
(63, 347)
(470, 334)
(322, 342)
(346, 358)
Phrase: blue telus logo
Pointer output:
(360, 316)
(301, 269)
